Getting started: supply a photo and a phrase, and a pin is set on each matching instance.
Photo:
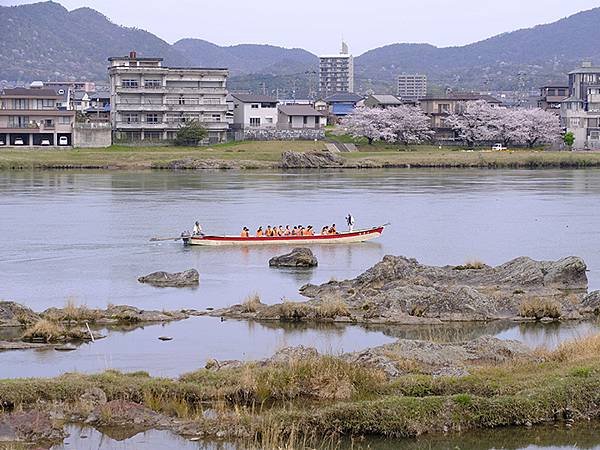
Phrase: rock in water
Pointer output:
(311, 160)
(15, 315)
(165, 279)
(299, 257)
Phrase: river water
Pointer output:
(85, 236)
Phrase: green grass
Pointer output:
(254, 154)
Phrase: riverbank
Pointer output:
(272, 403)
(267, 155)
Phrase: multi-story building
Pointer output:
(580, 112)
(254, 111)
(34, 117)
(552, 96)
(412, 86)
(150, 102)
(440, 107)
(336, 73)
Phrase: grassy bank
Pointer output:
(335, 398)
(267, 154)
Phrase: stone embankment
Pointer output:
(403, 291)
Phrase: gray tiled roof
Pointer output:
(343, 97)
(26, 92)
(299, 110)
(387, 99)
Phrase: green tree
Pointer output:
(569, 139)
(191, 134)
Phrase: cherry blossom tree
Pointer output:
(536, 126)
(366, 123)
(406, 125)
(474, 122)
(505, 125)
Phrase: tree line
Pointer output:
(475, 123)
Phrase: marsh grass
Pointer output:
(540, 308)
(44, 330)
(252, 303)
(72, 312)
(332, 307)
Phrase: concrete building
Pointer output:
(580, 112)
(298, 117)
(382, 101)
(552, 96)
(253, 111)
(336, 72)
(412, 86)
(150, 102)
(34, 117)
(439, 107)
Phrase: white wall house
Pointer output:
(298, 117)
(253, 111)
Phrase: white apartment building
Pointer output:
(254, 111)
(150, 102)
(336, 73)
(580, 112)
(412, 86)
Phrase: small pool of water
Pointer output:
(199, 339)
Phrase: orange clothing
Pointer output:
(245, 234)
(259, 233)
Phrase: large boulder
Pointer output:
(311, 160)
(164, 279)
(15, 315)
(299, 257)
(31, 426)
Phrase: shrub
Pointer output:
(44, 330)
(331, 308)
(472, 265)
(252, 303)
(540, 308)
(191, 134)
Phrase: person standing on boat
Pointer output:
(197, 231)
(350, 222)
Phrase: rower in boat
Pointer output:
(259, 232)
(245, 233)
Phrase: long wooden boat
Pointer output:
(349, 237)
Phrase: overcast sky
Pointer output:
(318, 25)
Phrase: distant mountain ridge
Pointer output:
(46, 41)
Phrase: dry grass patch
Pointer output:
(473, 264)
(330, 308)
(540, 308)
(50, 332)
(72, 312)
(580, 349)
(252, 304)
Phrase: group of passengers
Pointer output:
(287, 231)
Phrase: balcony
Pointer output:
(170, 89)
(176, 107)
(170, 125)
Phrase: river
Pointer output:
(85, 236)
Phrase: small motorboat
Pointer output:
(348, 237)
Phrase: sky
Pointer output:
(319, 25)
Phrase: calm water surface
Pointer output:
(544, 438)
(84, 235)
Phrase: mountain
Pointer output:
(247, 58)
(526, 58)
(46, 41)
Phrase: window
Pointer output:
(18, 121)
(212, 101)
(216, 117)
(21, 103)
(153, 135)
(48, 123)
(305, 120)
(152, 83)
(255, 121)
(268, 120)
(65, 120)
(255, 106)
(152, 118)
(130, 118)
(444, 108)
(595, 135)
(130, 83)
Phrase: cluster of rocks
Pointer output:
(403, 291)
(311, 160)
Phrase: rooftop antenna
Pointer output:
(345, 50)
